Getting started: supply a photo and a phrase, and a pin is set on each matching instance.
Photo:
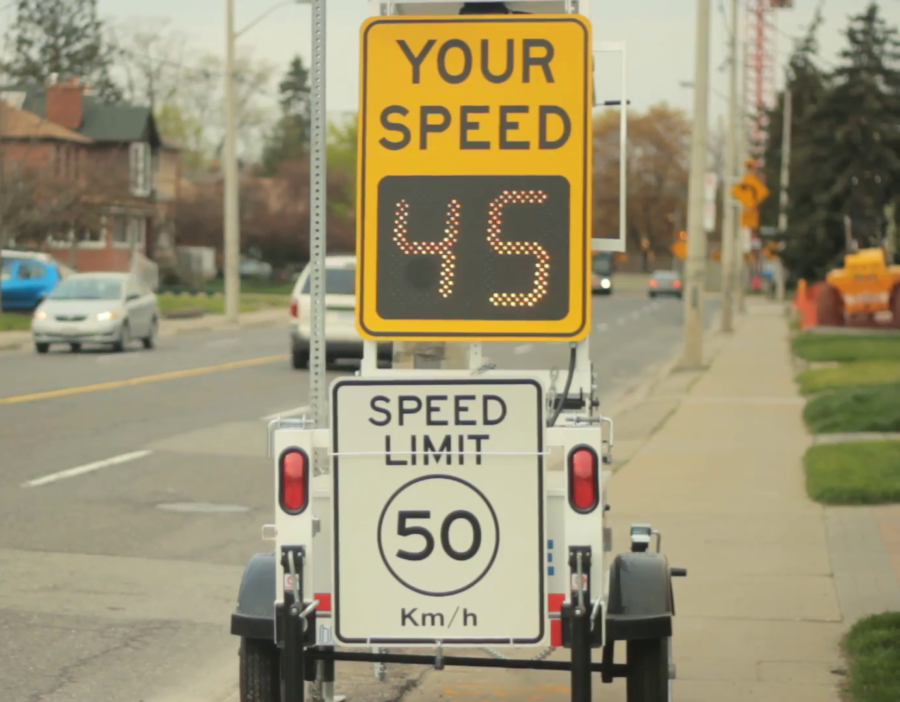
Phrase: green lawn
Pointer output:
(250, 302)
(866, 408)
(848, 375)
(252, 285)
(858, 473)
(10, 321)
(846, 348)
(873, 649)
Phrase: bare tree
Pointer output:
(153, 60)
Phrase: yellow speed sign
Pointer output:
(473, 213)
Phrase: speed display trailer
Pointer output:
(439, 509)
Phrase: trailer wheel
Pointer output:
(830, 307)
(648, 670)
(894, 305)
(260, 674)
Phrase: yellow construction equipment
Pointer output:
(865, 285)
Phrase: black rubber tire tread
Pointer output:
(42, 348)
(260, 671)
(299, 360)
(830, 307)
(75, 348)
(648, 670)
(894, 305)
(149, 342)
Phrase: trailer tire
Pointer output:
(648, 670)
(894, 305)
(260, 671)
(830, 307)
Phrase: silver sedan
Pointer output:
(109, 309)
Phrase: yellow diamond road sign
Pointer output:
(473, 214)
(750, 191)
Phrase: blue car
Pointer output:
(25, 281)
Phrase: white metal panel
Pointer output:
(422, 529)
(618, 244)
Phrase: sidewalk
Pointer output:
(758, 617)
(14, 340)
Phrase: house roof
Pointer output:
(101, 121)
(22, 124)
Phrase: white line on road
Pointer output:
(287, 413)
(523, 349)
(87, 468)
(602, 327)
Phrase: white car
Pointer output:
(109, 309)
(342, 340)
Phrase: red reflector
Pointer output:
(556, 637)
(653, 283)
(584, 484)
(295, 309)
(294, 480)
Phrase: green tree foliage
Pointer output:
(289, 139)
(184, 130)
(63, 37)
(845, 151)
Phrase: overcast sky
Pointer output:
(659, 35)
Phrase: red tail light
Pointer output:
(653, 283)
(295, 309)
(584, 479)
(293, 483)
(677, 283)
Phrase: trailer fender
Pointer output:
(254, 617)
(641, 605)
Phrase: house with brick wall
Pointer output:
(109, 182)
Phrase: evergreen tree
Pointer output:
(845, 155)
(63, 37)
(808, 85)
(289, 140)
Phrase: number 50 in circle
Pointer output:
(438, 535)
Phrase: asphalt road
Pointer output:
(133, 487)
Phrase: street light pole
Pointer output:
(729, 230)
(232, 210)
(696, 253)
(784, 185)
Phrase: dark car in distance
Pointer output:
(664, 283)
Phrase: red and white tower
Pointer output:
(760, 35)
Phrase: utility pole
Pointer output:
(231, 217)
(784, 183)
(739, 253)
(696, 253)
(729, 228)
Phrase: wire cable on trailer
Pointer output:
(565, 392)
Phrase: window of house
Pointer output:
(136, 228)
(91, 235)
(120, 229)
(140, 164)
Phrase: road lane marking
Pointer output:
(523, 349)
(295, 412)
(621, 320)
(143, 380)
(602, 327)
(87, 468)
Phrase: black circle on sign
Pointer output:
(481, 575)
(467, 516)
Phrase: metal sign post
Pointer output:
(317, 215)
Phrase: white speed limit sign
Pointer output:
(438, 511)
